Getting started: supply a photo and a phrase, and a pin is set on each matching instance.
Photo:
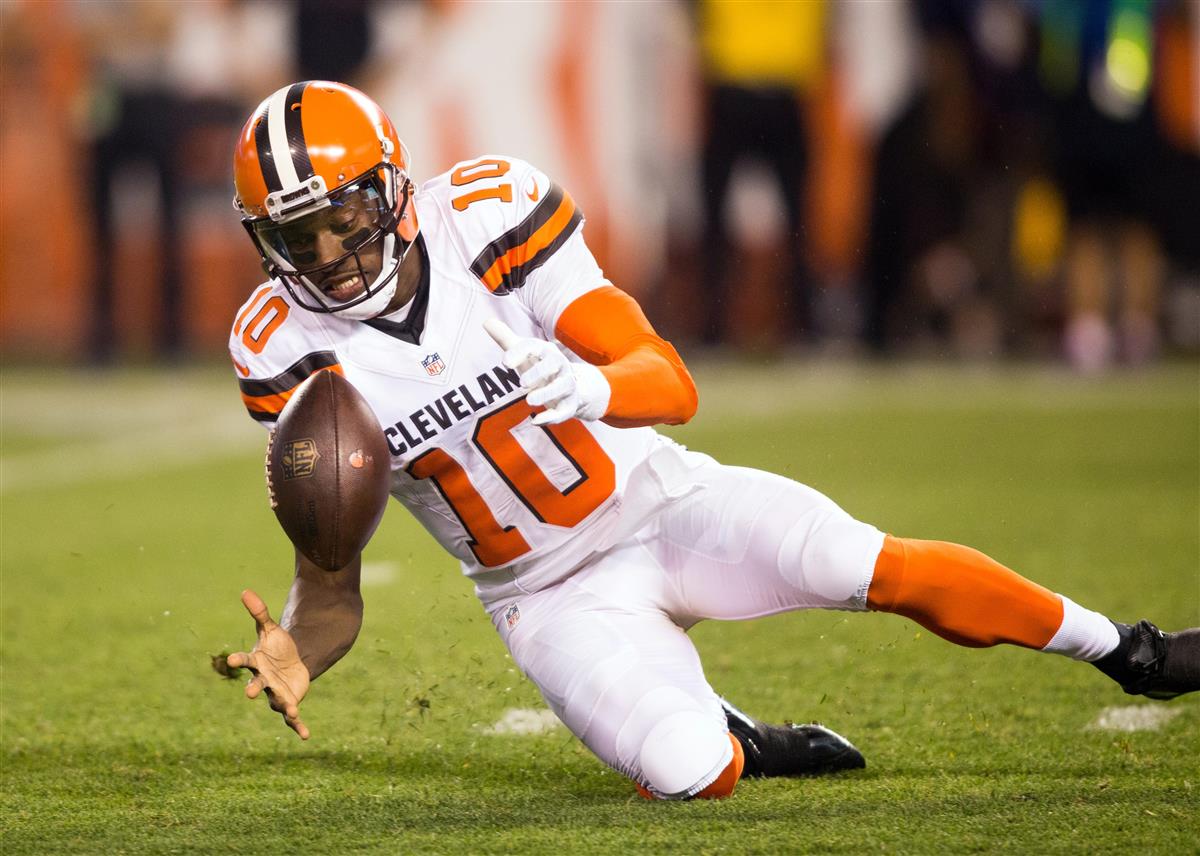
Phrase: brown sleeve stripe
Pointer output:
(505, 263)
(299, 370)
(266, 408)
(266, 398)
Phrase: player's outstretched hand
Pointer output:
(567, 390)
(276, 666)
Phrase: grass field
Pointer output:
(134, 512)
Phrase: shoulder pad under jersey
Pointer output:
(275, 346)
(507, 217)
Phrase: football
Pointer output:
(328, 470)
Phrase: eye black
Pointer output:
(357, 239)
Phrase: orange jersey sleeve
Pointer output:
(650, 384)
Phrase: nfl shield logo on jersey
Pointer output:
(433, 364)
(512, 615)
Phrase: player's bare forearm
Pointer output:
(323, 612)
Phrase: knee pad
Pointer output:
(832, 558)
(683, 754)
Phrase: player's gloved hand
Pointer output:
(276, 665)
(567, 390)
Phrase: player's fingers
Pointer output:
(255, 687)
(564, 411)
(257, 608)
(552, 392)
(522, 357)
(282, 700)
(501, 333)
(285, 703)
(543, 371)
(297, 725)
(239, 660)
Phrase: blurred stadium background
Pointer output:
(964, 179)
(1006, 182)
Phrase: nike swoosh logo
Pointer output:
(242, 370)
(535, 195)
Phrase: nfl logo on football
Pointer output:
(433, 364)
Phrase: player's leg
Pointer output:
(753, 543)
(624, 678)
(750, 544)
(970, 599)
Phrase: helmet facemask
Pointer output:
(339, 252)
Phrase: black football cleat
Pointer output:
(790, 749)
(1152, 663)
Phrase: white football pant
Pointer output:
(607, 646)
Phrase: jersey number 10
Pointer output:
(493, 544)
(470, 173)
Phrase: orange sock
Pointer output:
(962, 595)
(724, 784)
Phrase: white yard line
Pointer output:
(1134, 717)
(102, 425)
(524, 721)
(131, 454)
(839, 387)
(119, 424)
(376, 574)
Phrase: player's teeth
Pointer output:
(342, 287)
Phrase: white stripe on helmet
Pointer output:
(277, 131)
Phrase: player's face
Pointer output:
(341, 232)
(337, 249)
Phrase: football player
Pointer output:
(594, 542)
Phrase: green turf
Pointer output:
(133, 513)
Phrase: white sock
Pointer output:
(1083, 634)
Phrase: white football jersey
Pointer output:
(520, 505)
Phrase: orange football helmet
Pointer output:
(322, 182)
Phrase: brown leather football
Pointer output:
(328, 470)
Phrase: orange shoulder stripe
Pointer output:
(506, 262)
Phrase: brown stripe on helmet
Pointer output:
(295, 130)
(266, 159)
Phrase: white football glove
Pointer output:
(567, 390)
